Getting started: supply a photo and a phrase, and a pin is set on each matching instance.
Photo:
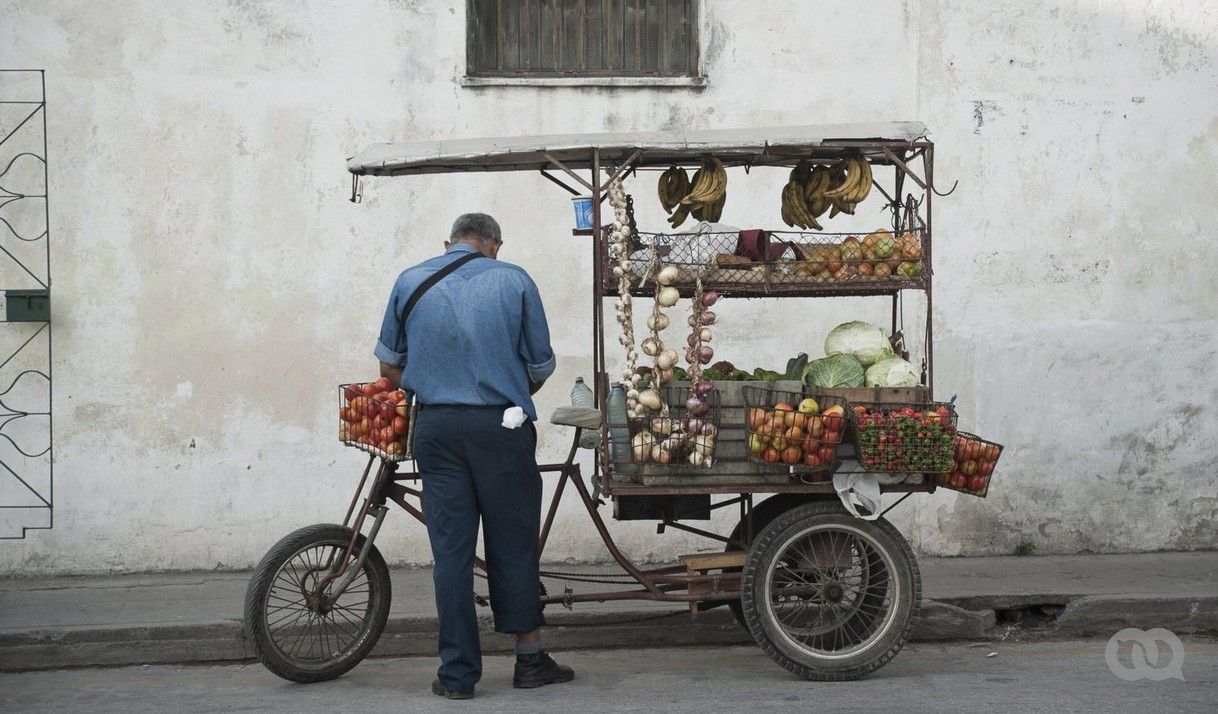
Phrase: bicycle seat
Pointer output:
(582, 417)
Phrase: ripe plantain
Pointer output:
(854, 174)
(814, 191)
(673, 184)
(678, 217)
(709, 183)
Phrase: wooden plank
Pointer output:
(509, 34)
(594, 36)
(651, 37)
(614, 19)
(712, 561)
(482, 23)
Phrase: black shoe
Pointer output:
(536, 670)
(440, 690)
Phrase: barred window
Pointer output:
(582, 38)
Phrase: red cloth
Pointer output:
(755, 244)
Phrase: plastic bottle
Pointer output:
(581, 396)
(619, 434)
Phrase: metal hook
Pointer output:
(356, 195)
(950, 192)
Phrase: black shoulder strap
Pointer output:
(429, 282)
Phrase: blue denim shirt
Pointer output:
(478, 337)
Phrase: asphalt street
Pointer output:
(1027, 677)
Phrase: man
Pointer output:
(475, 344)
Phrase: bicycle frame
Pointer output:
(659, 584)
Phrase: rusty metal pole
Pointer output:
(928, 161)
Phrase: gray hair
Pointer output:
(476, 226)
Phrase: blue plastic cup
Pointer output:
(583, 212)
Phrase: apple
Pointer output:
(770, 456)
(791, 455)
(794, 434)
(977, 483)
(799, 420)
(779, 442)
(808, 406)
(757, 444)
(757, 417)
(835, 410)
(811, 459)
(826, 453)
(816, 428)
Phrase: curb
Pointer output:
(975, 618)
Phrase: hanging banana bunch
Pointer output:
(796, 210)
(702, 197)
(812, 190)
(851, 186)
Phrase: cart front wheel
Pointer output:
(829, 596)
(304, 638)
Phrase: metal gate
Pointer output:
(26, 478)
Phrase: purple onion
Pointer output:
(692, 425)
(705, 354)
(710, 297)
(702, 409)
(692, 340)
(692, 404)
(703, 387)
(692, 320)
(690, 357)
(708, 318)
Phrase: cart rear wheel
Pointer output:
(303, 638)
(762, 514)
(829, 596)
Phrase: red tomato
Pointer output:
(977, 483)
(383, 384)
(378, 422)
(399, 425)
(352, 391)
(370, 389)
(344, 413)
(386, 411)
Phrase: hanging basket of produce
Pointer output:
(972, 466)
(376, 418)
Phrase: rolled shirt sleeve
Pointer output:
(535, 343)
(391, 346)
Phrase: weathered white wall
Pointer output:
(212, 283)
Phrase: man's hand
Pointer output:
(393, 373)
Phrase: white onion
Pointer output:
(657, 322)
(668, 296)
(667, 275)
(650, 398)
(641, 446)
(666, 359)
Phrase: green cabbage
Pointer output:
(865, 341)
(834, 371)
(892, 372)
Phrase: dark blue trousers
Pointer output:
(473, 468)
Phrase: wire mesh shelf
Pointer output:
(759, 263)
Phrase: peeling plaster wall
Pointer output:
(212, 283)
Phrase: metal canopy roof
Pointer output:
(519, 153)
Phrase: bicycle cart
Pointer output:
(828, 595)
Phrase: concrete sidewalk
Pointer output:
(196, 617)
